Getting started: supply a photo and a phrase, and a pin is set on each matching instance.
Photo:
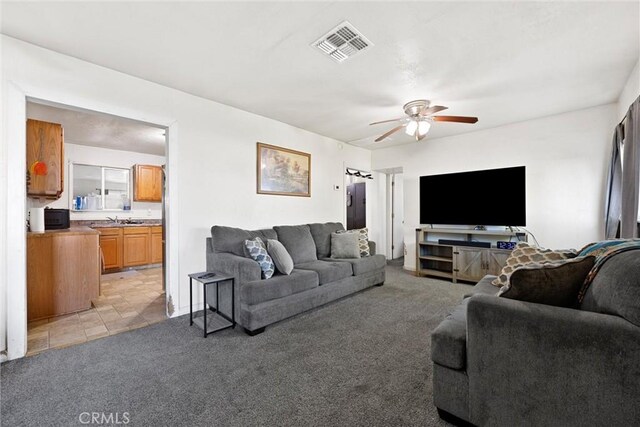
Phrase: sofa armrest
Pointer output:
(243, 269)
(559, 366)
(372, 247)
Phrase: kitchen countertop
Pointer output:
(76, 230)
(97, 223)
(114, 225)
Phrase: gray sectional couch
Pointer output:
(502, 362)
(315, 280)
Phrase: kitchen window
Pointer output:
(100, 188)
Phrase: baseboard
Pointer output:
(413, 270)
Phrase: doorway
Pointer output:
(356, 206)
(112, 193)
(396, 218)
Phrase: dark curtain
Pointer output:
(613, 196)
(631, 173)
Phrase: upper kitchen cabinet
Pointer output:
(147, 183)
(45, 159)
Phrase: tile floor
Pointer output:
(129, 300)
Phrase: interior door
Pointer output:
(397, 216)
(356, 206)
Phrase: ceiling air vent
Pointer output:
(343, 42)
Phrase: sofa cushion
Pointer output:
(344, 245)
(229, 239)
(328, 271)
(484, 286)
(258, 252)
(280, 256)
(298, 241)
(321, 234)
(449, 339)
(615, 289)
(367, 264)
(363, 239)
(278, 286)
(556, 283)
(525, 254)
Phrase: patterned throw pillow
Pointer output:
(256, 250)
(363, 240)
(524, 254)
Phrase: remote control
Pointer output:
(207, 276)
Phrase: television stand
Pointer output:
(457, 261)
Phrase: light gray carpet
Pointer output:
(363, 360)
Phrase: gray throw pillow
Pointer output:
(280, 256)
(553, 283)
(363, 240)
(344, 245)
(298, 241)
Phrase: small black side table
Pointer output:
(217, 319)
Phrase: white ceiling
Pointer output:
(501, 61)
(101, 130)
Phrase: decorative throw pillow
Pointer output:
(257, 252)
(280, 256)
(344, 245)
(363, 239)
(524, 254)
(553, 283)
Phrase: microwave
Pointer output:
(56, 219)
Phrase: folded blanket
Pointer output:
(604, 251)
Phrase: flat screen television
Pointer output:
(485, 197)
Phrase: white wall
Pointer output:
(565, 156)
(630, 92)
(103, 157)
(211, 157)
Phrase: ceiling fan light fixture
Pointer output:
(411, 128)
(423, 127)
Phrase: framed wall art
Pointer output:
(283, 172)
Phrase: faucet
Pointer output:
(113, 219)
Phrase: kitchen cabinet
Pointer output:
(111, 247)
(156, 245)
(147, 183)
(45, 159)
(136, 246)
(63, 272)
(130, 246)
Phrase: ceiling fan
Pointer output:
(420, 118)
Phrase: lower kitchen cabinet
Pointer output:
(124, 247)
(63, 272)
(111, 247)
(156, 245)
(136, 246)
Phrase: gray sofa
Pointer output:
(503, 362)
(315, 280)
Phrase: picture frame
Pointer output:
(282, 171)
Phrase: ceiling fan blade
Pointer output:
(457, 119)
(387, 121)
(432, 110)
(395, 129)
